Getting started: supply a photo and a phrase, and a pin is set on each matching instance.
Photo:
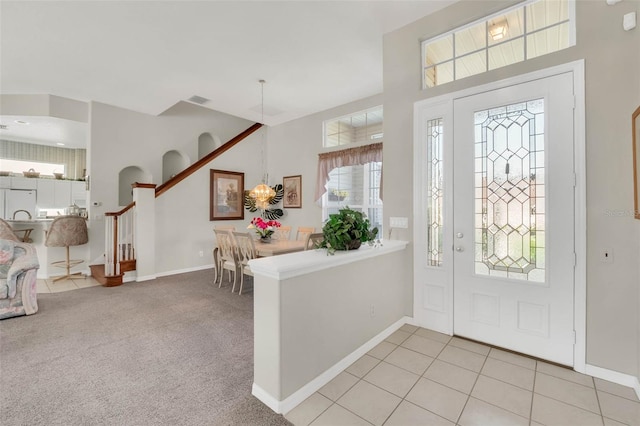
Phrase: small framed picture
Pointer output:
(292, 198)
(226, 197)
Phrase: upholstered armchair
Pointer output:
(18, 269)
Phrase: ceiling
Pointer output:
(148, 55)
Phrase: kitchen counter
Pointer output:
(28, 221)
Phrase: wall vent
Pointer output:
(198, 100)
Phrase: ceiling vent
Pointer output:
(3, 127)
(198, 100)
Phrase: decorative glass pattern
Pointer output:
(510, 193)
(435, 191)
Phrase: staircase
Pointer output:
(120, 226)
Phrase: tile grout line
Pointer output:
(508, 383)
(597, 399)
(472, 388)
(361, 379)
(403, 398)
(410, 389)
(342, 406)
(568, 403)
(533, 393)
(421, 376)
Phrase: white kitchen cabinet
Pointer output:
(53, 194)
(62, 193)
(5, 182)
(23, 183)
(45, 198)
(79, 193)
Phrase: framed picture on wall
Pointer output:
(292, 192)
(635, 129)
(226, 195)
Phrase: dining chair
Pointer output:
(313, 240)
(224, 255)
(304, 232)
(216, 256)
(282, 233)
(245, 251)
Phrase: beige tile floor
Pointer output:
(420, 377)
(48, 286)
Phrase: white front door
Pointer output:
(513, 218)
(495, 239)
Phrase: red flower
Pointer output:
(264, 228)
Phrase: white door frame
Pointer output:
(445, 103)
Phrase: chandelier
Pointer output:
(262, 193)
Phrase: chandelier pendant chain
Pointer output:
(263, 193)
(264, 134)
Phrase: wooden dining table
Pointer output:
(276, 247)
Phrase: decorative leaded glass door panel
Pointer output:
(513, 218)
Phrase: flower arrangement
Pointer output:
(264, 228)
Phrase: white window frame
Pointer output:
(572, 38)
(366, 184)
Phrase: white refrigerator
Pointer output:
(19, 199)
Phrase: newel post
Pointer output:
(144, 195)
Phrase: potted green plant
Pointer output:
(347, 230)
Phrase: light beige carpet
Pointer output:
(176, 350)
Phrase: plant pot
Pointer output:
(266, 240)
(354, 245)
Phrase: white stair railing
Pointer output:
(119, 239)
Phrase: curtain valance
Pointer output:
(328, 161)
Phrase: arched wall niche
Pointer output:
(173, 162)
(207, 143)
(128, 176)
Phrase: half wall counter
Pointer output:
(313, 313)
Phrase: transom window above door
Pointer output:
(526, 31)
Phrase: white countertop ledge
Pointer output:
(301, 263)
(30, 221)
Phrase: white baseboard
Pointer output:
(144, 278)
(184, 271)
(131, 276)
(266, 398)
(614, 376)
(288, 404)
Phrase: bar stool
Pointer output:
(6, 232)
(66, 231)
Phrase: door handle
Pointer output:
(459, 249)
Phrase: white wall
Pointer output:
(121, 138)
(612, 58)
(182, 213)
(44, 105)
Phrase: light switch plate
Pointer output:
(629, 21)
(399, 222)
